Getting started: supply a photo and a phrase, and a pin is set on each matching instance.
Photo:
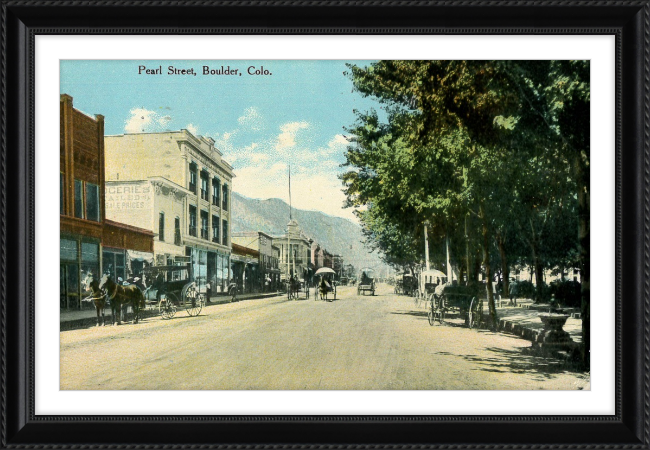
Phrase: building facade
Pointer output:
(295, 253)
(268, 258)
(245, 265)
(190, 187)
(85, 234)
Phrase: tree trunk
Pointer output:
(582, 178)
(504, 267)
(488, 270)
(537, 264)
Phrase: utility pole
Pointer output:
(289, 227)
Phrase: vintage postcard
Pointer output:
(324, 225)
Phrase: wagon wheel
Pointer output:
(167, 306)
(193, 301)
(417, 298)
(472, 315)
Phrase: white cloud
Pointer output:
(287, 138)
(192, 129)
(251, 119)
(142, 121)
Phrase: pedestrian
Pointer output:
(208, 292)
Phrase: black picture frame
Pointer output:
(629, 21)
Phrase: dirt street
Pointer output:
(355, 342)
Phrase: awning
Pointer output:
(135, 255)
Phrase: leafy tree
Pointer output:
(497, 142)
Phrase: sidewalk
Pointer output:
(85, 318)
(523, 320)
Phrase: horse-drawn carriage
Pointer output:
(461, 299)
(406, 284)
(172, 287)
(366, 282)
(427, 282)
(297, 288)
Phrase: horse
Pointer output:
(323, 288)
(122, 296)
(98, 297)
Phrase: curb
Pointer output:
(506, 326)
(89, 322)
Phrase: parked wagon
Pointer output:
(406, 284)
(461, 299)
(173, 288)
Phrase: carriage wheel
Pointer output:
(167, 306)
(193, 301)
(431, 318)
(195, 305)
(472, 315)
(441, 316)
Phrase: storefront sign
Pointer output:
(127, 197)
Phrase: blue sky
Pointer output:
(261, 123)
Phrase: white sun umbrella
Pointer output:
(324, 270)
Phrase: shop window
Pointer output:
(78, 199)
(89, 262)
(216, 188)
(192, 230)
(92, 202)
(225, 197)
(215, 229)
(68, 250)
(114, 264)
(161, 226)
(204, 225)
(177, 231)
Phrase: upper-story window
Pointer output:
(192, 230)
(225, 197)
(161, 226)
(215, 229)
(216, 189)
(225, 232)
(61, 194)
(86, 200)
(204, 225)
(204, 186)
(177, 231)
(193, 170)
(79, 199)
(92, 202)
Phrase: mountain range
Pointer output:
(339, 236)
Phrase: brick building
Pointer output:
(83, 228)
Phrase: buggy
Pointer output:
(172, 288)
